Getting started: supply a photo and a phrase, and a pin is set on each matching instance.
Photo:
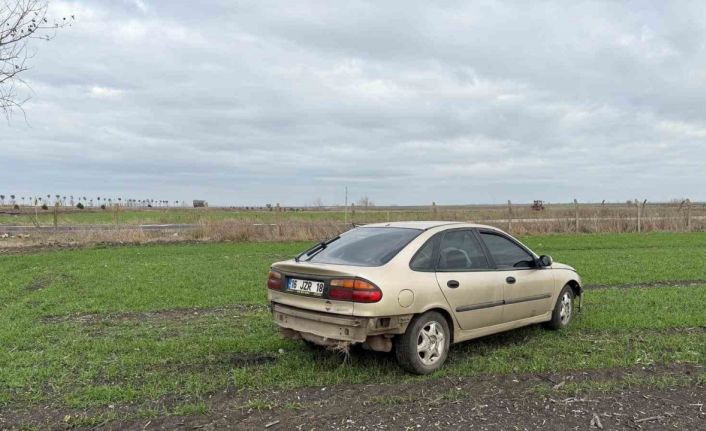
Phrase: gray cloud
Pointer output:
(406, 102)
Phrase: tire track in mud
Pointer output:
(489, 402)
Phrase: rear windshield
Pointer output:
(366, 246)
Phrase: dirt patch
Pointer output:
(484, 403)
(22, 248)
(177, 314)
(247, 359)
(488, 402)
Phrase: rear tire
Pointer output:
(424, 346)
(563, 309)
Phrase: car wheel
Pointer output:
(424, 346)
(563, 310)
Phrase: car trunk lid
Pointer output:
(318, 273)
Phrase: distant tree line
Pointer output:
(82, 202)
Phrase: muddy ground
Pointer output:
(493, 402)
(506, 402)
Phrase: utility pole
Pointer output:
(509, 216)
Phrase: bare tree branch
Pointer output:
(20, 22)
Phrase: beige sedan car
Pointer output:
(417, 287)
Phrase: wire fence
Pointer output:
(536, 218)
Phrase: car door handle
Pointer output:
(510, 280)
(452, 284)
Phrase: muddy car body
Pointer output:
(417, 287)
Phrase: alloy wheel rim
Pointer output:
(431, 343)
(565, 310)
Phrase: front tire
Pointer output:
(424, 346)
(563, 310)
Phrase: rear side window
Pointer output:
(366, 246)
(424, 259)
(506, 253)
(461, 251)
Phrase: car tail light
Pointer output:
(354, 289)
(274, 280)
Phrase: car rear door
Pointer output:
(463, 272)
(527, 288)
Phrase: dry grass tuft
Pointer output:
(247, 230)
(343, 349)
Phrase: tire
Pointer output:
(429, 332)
(563, 310)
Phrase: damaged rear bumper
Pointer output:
(328, 329)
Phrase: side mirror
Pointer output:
(545, 260)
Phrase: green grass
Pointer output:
(609, 259)
(52, 356)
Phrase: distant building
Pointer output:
(200, 203)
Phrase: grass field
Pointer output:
(143, 331)
(560, 217)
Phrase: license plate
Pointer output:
(309, 287)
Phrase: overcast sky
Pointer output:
(250, 102)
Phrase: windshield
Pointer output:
(366, 246)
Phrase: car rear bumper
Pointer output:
(329, 329)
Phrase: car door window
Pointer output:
(461, 251)
(506, 253)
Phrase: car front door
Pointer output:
(527, 288)
(470, 286)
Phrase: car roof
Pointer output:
(424, 225)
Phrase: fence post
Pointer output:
(642, 210)
(576, 208)
(688, 215)
(637, 205)
(509, 215)
(345, 209)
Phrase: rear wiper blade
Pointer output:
(315, 249)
